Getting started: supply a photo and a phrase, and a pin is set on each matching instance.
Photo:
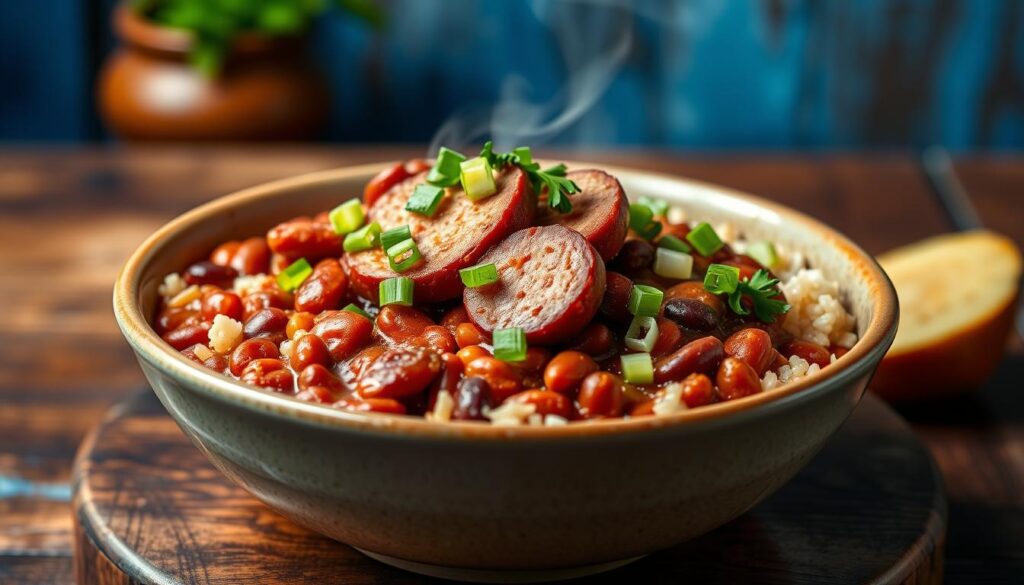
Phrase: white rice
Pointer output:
(816, 313)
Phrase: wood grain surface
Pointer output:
(70, 217)
(149, 508)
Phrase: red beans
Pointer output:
(692, 314)
(753, 347)
(471, 352)
(249, 350)
(309, 349)
(448, 381)
(323, 289)
(257, 301)
(398, 373)
(303, 237)
(207, 272)
(736, 379)
(223, 253)
(502, 379)
(344, 332)
(222, 303)
(635, 257)
(694, 290)
(390, 177)
(251, 257)
(470, 399)
(597, 341)
(380, 405)
(316, 375)
(269, 373)
(812, 352)
(318, 394)
(188, 335)
(614, 305)
(545, 402)
(700, 356)
(409, 327)
(698, 390)
(453, 318)
(566, 370)
(600, 395)
(269, 324)
(669, 337)
(467, 334)
(299, 321)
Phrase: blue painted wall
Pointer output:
(720, 74)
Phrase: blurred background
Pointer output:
(698, 74)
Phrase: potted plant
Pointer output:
(228, 70)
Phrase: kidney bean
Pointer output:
(596, 340)
(269, 373)
(318, 394)
(701, 263)
(812, 352)
(692, 314)
(566, 370)
(309, 349)
(188, 335)
(303, 237)
(470, 397)
(448, 381)
(838, 351)
(736, 379)
(545, 402)
(390, 177)
(317, 375)
(221, 302)
(694, 290)
(453, 318)
(701, 355)
(615, 304)
(437, 338)
(753, 347)
(399, 373)
(600, 395)
(351, 370)
(635, 257)
(268, 323)
(323, 289)
(471, 352)
(171, 318)
(467, 334)
(668, 337)
(698, 390)
(299, 321)
(381, 405)
(502, 379)
(344, 332)
(255, 302)
(249, 350)
(251, 257)
(223, 253)
(533, 366)
(645, 408)
(398, 323)
(206, 272)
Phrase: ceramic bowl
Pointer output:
(477, 502)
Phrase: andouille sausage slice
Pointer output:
(600, 211)
(456, 237)
(551, 282)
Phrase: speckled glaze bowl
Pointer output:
(477, 502)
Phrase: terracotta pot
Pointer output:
(267, 90)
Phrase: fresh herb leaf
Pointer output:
(553, 179)
(761, 290)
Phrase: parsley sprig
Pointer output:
(761, 289)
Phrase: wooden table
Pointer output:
(69, 218)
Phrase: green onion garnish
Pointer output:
(657, 206)
(642, 334)
(639, 216)
(509, 344)
(403, 255)
(637, 368)
(480, 275)
(704, 239)
(722, 279)
(645, 301)
(291, 277)
(394, 236)
(649, 231)
(396, 291)
(672, 264)
(445, 172)
(477, 179)
(763, 252)
(673, 243)
(425, 199)
(353, 308)
(347, 217)
(363, 238)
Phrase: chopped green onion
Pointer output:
(722, 279)
(639, 216)
(645, 301)
(672, 264)
(363, 238)
(704, 239)
(657, 206)
(477, 179)
(353, 308)
(649, 231)
(291, 277)
(403, 255)
(445, 172)
(637, 368)
(395, 291)
(480, 275)
(394, 236)
(642, 334)
(347, 217)
(763, 252)
(524, 154)
(509, 344)
(673, 243)
(425, 199)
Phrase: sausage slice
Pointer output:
(551, 282)
(600, 211)
(456, 237)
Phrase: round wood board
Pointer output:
(149, 508)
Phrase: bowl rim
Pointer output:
(865, 354)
